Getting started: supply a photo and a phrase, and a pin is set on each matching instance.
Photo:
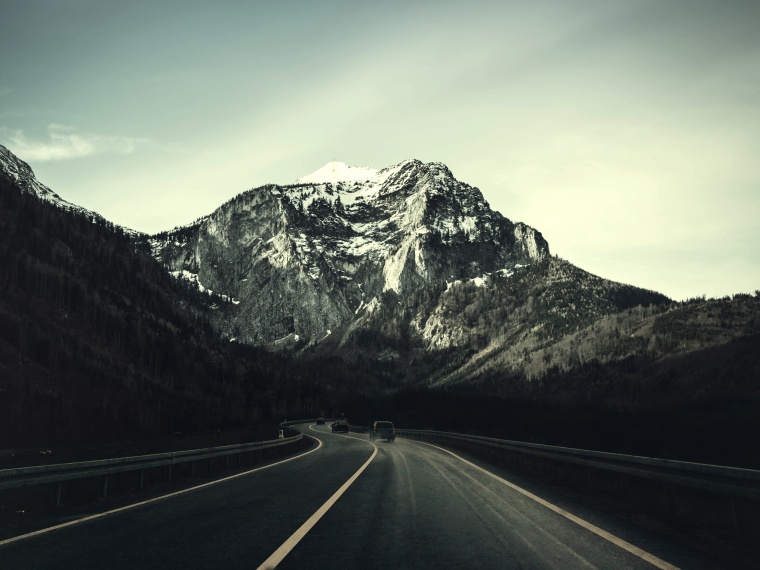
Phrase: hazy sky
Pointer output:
(627, 132)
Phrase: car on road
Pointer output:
(321, 421)
(340, 426)
(383, 430)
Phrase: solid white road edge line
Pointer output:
(635, 550)
(155, 499)
(296, 537)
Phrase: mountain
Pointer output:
(318, 255)
(384, 264)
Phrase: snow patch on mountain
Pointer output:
(334, 172)
(485, 279)
(352, 184)
(193, 278)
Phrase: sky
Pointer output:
(627, 132)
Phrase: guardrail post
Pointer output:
(141, 483)
(625, 486)
(104, 487)
(668, 496)
(192, 469)
(735, 514)
(58, 489)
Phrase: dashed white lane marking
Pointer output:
(156, 499)
(296, 537)
(635, 550)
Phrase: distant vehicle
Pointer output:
(340, 426)
(383, 430)
(321, 421)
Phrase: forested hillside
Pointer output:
(638, 339)
(98, 341)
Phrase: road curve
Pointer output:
(418, 506)
(349, 504)
(235, 524)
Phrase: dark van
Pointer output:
(383, 430)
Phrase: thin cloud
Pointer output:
(60, 127)
(63, 143)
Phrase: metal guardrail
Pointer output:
(57, 473)
(732, 481)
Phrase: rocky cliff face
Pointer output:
(316, 256)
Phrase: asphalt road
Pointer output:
(412, 506)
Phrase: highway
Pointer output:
(348, 503)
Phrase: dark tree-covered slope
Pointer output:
(98, 341)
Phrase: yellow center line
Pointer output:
(279, 554)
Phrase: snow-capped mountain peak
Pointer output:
(334, 172)
(324, 253)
